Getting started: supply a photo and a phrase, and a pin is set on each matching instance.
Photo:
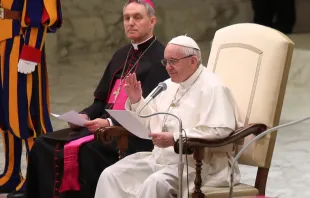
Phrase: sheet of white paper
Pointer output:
(128, 120)
(72, 117)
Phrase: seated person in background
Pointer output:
(51, 170)
(207, 110)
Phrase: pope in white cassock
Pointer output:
(207, 110)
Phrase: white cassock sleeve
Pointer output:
(217, 117)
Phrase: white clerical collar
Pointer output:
(135, 45)
(193, 77)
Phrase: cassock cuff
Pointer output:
(175, 136)
(133, 107)
(110, 122)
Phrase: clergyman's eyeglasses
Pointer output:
(173, 61)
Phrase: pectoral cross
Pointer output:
(173, 105)
(116, 93)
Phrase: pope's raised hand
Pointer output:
(133, 88)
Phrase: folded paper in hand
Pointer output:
(129, 121)
(72, 117)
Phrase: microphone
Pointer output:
(160, 88)
(250, 142)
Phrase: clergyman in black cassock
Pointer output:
(45, 162)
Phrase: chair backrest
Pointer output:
(254, 62)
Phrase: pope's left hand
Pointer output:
(162, 140)
(26, 67)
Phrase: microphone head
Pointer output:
(162, 85)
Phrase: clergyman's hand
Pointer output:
(163, 139)
(73, 126)
(95, 124)
(133, 88)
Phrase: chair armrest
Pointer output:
(190, 144)
(107, 134)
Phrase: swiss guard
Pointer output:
(24, 89)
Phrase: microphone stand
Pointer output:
(250, 142)
(181, 164)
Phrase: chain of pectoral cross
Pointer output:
(175, 103)
(117, 92)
